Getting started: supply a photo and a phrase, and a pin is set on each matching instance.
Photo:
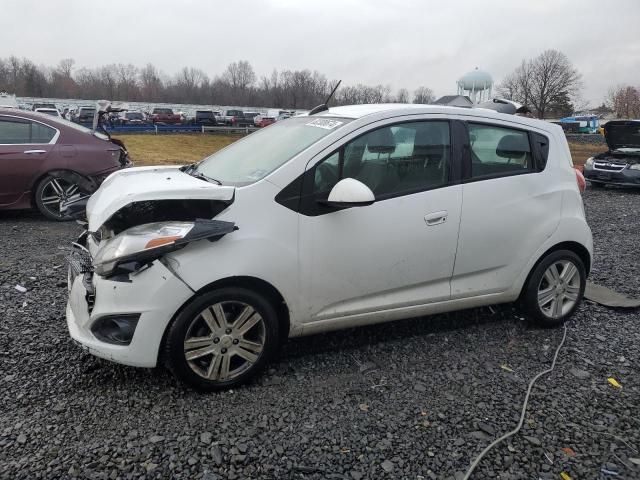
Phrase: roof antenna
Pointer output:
(323, 106)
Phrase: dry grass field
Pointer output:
(173, 149)
(179, 149)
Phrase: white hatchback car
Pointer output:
(347, 217)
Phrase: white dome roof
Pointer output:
(475, 79)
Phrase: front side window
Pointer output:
(21, 131)
(498, 151)
(393, 160)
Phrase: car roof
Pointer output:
(389, 110)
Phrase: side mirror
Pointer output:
(350, 192)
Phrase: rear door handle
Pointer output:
(34, 151)
(436, 218)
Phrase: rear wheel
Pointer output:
(555, 288)
(51, 193)
(222, 339)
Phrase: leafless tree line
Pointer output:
(624, 100)
(237, 85)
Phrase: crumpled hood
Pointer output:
(140, 184)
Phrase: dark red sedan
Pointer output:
(46, 160)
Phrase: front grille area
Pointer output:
(79, 261)
(609, 166)
(80, 264)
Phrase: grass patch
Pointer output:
(581, 151)
(181, 148)
(173, 149)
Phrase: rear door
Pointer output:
(511, 205)
(24, 147)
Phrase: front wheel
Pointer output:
(222, 339)
(51, 193)
(555, 288)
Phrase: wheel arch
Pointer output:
(574, 247)
(255, 284)
(64, 173)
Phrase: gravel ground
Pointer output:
(413, 399)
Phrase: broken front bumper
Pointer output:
(152, 295)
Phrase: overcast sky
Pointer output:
(403, 43)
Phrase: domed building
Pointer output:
(476, 85)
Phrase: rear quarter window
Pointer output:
(499, 151)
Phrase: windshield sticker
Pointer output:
(324, 123)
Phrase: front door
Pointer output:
(397, 252)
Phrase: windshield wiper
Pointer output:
(201, 176)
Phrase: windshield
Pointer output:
(134, 116)
(204, 114)
(168, 111)
(257, 155)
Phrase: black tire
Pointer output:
(48, 188)
(191, 321)
(539, 285)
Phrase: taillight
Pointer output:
(582, 183)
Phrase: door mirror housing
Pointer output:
(350, 192)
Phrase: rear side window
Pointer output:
(498, 151)
(20, 131)
(541, 147)
(41, 133)
(14, 130)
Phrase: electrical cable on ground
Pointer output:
(476, 462)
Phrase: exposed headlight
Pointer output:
(589, 163)
(138, 246)
(143, 243)
(635, 166)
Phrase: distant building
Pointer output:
(476, 85)
(454, 101)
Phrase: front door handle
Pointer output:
(34, 151)
(436, 218)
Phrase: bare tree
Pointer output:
(423, 95)
(542, 81)
(66, 66)
(624, 100)
(240, 75)
(151, 85)
(403, 96)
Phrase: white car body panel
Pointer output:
(351, 267)
(418, 271)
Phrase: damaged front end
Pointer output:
(137, 247)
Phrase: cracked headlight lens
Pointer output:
(143, 243)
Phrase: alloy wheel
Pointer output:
(55, 192)
(559, 289)
(224, 340)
